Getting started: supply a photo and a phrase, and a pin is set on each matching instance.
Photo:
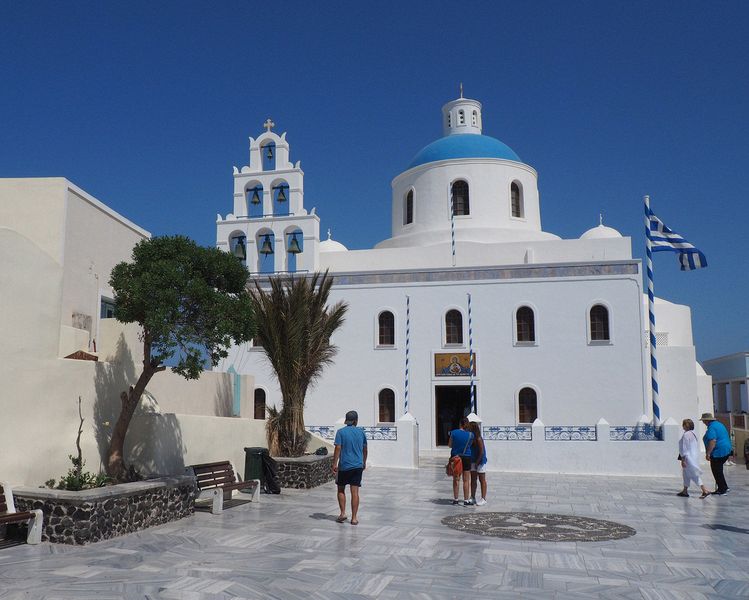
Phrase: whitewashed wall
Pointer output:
(490, 218)
(39, 289)
(577, 383)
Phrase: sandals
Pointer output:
(341, 519)
(683, 495)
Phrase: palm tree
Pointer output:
(294, 326)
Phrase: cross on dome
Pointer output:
(328, 233)
(269, 124)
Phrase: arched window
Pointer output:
(525, 324)
(408, 208)
(259, 404)
(461, 118)
(527, 405)
(453, 327)
(516, 199)
(459, 198)
(474, 118)
(599, 324)
(386, 329)
(268, 156)
(386, 402)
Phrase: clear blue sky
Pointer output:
(148, 105)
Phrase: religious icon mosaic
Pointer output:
(454, 364)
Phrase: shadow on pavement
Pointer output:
(718, 526)
(322, 517)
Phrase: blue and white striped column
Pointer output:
(470, 356)
(452, 227)
(651, 316)
(408, 342)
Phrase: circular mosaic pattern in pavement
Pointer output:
(538, 526)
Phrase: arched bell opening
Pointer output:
(268, 156)
(254, 196)
(266, 251)
(238, 247)
(280, 192)
(294, 244)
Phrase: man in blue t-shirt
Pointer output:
(717, 450)
(349, 462)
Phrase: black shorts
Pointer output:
(349, 477)
(466, 462)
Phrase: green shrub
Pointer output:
(77, 479)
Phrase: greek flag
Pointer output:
(662, 239)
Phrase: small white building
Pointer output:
(58, 246)
(487, 309)
(730, 382)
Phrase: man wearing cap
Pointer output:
(349, 461)
(717, 450)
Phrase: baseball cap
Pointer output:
(351, 417)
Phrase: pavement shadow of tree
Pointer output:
(154, 444)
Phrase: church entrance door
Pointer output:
(451, 403)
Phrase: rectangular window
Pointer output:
(107, 309)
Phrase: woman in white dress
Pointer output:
(689, 454)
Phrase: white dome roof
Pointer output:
(601, 232)
(330, 245)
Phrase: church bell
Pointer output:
(294, 245)
(282, 195)
(255, 197)
(240, 251)
(266, 248)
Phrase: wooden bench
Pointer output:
(217, 481)
(8, 514)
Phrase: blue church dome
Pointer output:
(463, 145)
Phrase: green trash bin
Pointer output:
(253, 463)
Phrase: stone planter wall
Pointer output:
(94, 515)
(305, 471)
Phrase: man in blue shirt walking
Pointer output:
(717, 450)
(349, 462)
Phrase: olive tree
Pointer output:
(191, 304)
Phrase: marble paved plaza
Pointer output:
(290, 547)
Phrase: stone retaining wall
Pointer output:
(94, 515)
(305, 471)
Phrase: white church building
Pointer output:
(470, 305)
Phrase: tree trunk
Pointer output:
(116, 467)
(293, 434)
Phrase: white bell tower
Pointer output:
(461, 116)
(269, 229)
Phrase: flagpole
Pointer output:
(651, 316)
(408, 339)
